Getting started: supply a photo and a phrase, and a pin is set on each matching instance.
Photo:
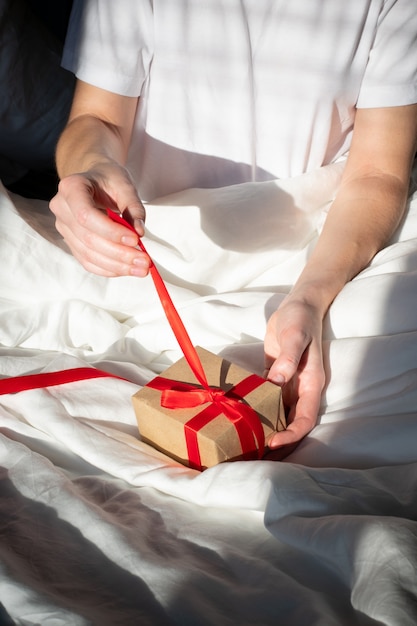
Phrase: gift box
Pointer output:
(201, 427)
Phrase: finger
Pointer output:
(292, 343)
(286, 365)
(293, 434)
(98, 243)
(100, 271)
(111, 258)
(94, 227)
(135, 215)
(81, 204)
(123, 198)
(92, 245)
(278, 454)
(301, 420)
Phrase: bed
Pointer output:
(98, 527)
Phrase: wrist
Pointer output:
(87, 144)
(317, 292)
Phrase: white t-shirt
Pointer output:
(236, 90)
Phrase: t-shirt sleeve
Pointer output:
(391, 74)
(110, 44)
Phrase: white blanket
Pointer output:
(96, 527)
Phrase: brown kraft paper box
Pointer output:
(217, 440)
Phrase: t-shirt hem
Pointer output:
(387, 96)
(116, 83)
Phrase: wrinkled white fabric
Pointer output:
(96, 527)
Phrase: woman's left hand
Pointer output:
(294, 360)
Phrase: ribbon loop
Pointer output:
(185, 399)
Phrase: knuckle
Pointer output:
(296, 334)
(81, 215)
(290, 362)
(53, 204)
(88, 237)
(66, 183)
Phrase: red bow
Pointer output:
(230, 403)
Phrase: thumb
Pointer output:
(281, 371)
(284, 367)
(135, 214)
(122, 193)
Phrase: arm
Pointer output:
(91, 156)
(368, 207)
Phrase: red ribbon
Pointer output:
(174, 394)
(229, 403)
(171, 313)
(49, 379)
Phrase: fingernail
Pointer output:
(140, 261)
(278, 379)
(271, 443)
(139, 268)
(139, 225)
(129, 241)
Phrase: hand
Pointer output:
(100, 245)
(294, 360)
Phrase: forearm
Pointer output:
(369, 205)
(364, 215)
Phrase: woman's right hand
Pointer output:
(97, 242)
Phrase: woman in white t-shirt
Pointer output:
(181, 94)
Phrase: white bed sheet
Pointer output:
(96, 527)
